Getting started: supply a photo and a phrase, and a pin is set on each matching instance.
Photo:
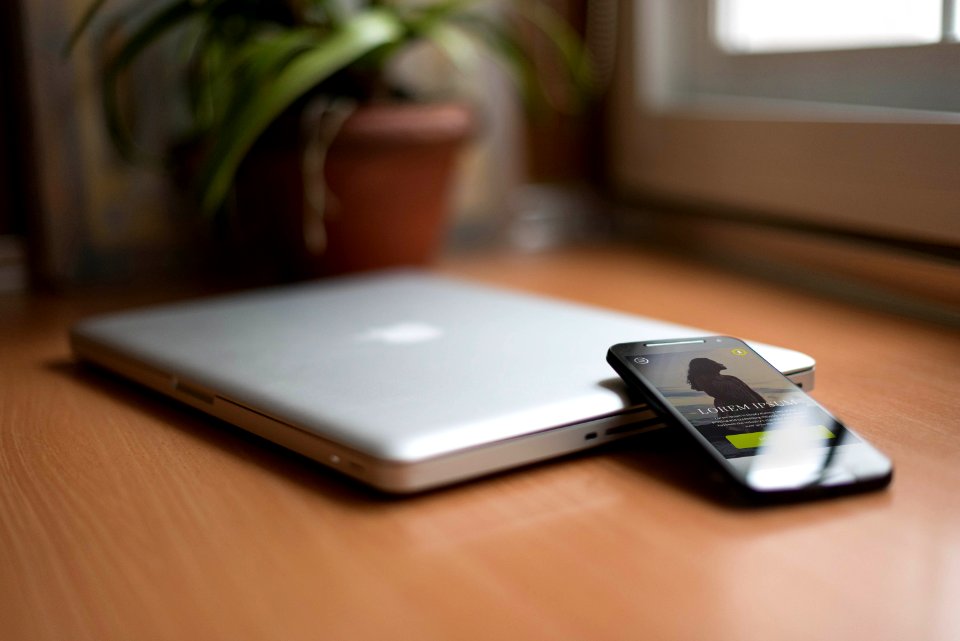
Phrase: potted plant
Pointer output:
(377, 157)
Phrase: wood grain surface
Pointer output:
(124, 516)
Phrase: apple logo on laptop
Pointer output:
(402, 333)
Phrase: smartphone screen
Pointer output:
(766, 432)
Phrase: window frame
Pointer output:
(891, 172)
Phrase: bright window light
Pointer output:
(760, 26)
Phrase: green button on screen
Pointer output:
(756, 439)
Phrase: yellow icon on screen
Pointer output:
(739, 351)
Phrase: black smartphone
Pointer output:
(771, 439)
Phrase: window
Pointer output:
(878, 53)
(797, 114)
(764, 26)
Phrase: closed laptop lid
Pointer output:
(402, 366)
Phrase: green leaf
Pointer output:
(422, 18)
(242, 76)
(503, 41)
(92, 10)
(161, 22)
(456, 45)
(504, 46)
(361, 34)
(339, 11)
(435, 23)
(205, 79)
(573, 54)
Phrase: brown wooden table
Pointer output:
(126, 516)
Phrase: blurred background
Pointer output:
(813, 142)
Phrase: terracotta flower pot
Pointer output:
(388, 180)
(389, 174)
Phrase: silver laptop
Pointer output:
(403, 380)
